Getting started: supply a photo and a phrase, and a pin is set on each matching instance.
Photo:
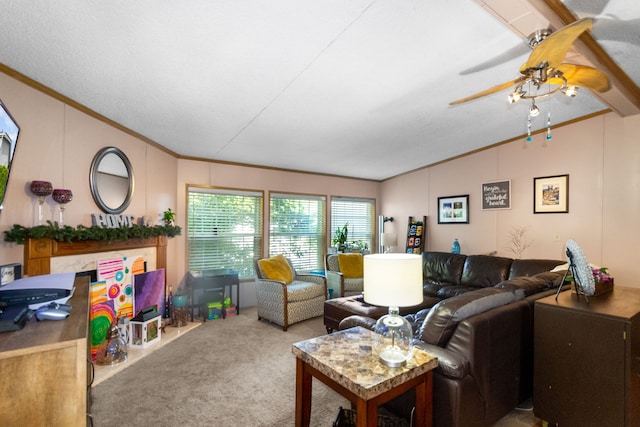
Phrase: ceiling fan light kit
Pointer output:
(534, 110)
(545, 66)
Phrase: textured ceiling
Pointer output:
(355, 88)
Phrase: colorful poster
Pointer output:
(101, 316)
(118, 273)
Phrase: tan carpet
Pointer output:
(236, 372)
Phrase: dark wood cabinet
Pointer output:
(587, 359)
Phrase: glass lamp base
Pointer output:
(394, 339)
(392, 357)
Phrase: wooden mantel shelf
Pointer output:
(38, 252)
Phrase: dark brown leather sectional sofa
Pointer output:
(481, 330)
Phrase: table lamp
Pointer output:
(393, 280)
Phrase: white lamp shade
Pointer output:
(389, 239)
(393, 279)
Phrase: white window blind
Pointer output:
(297, 225)
(224, 229)
(359, 214)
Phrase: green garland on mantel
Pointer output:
(19, 234)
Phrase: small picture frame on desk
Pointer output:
(9, 273)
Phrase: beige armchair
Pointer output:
(351, 283)
(286, 296)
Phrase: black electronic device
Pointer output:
(14, 318)
(22, 297)
(146, 314)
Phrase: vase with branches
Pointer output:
(519, 241)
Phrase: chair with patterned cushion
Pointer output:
(344, 274)
(285, 296)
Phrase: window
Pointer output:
(359, 215)
(297, 225)
(224, 229)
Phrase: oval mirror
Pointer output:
(111, 180)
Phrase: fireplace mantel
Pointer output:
(38, 252)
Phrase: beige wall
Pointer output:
(601, 156)
(57, 143)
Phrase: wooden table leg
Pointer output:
(424, 401)
(303, 395)
(366, 414)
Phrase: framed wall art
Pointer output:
(453, 210)
(551, 194)
(9, 273)
(496, 195)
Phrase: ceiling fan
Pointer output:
(545, 66)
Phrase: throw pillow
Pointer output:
(276, 268)
(351, 265)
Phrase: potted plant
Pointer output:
(340, 238)
(359, 246)
(168, 217)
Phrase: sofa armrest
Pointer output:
(356, 320)
(450, 364)
(271, 290)
(308, 277)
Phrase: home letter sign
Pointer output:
(111, 221)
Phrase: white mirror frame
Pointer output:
(93, 180)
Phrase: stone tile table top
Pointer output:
(347, 357)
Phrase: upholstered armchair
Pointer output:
(286, 296)
(344, 274)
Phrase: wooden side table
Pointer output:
(345, 361)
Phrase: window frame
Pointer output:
(358, 233)
(255, 249)
(303, 263)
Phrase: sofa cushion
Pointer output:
(485, 270)
(530, 285)
(351, 265)
(431, 289)
(453, 291)
(276, 268)
(442, 267)
(444, 317)
(299, 290)
(553, 277)
(531, 267)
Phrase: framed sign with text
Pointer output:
(496, 195)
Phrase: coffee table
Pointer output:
(346, 362)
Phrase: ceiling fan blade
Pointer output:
(581, 75)
(512, 53)
(555, 47)
(494, 89)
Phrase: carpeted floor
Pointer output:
(236, 372)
